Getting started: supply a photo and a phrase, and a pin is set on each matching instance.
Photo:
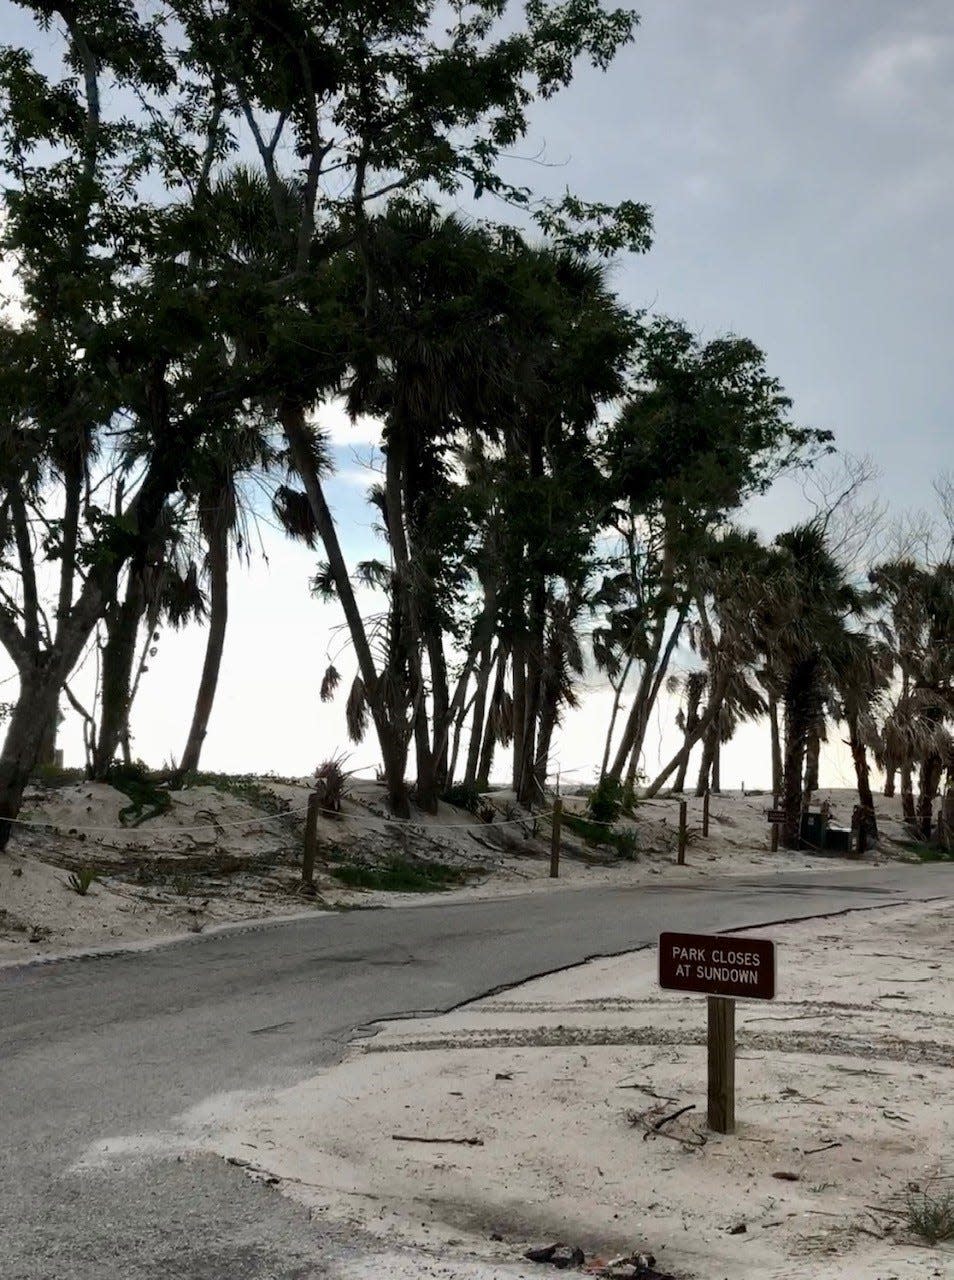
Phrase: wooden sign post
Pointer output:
(776, 817)
(683, 811)
(723, 967)
(556, 822)
(721, 1064)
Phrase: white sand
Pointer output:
(559, 1080)
(215, 857)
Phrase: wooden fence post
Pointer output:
(705, 815)
(858, 836)
(774, 836)
(311, 846)
(683, 811)
(555, 838)
(721, 1048)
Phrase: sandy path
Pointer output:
(215, 858)
(844, 1085)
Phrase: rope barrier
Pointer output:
(374, 819)
(72, 829)
(214, 825)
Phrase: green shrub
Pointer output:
(463, 796)
(147, 792)
(244, 787)
(931, 1216)
(53, 776)
(80, 881)
(932, 852)
(401, 875)
(622, 839)
(627, 843)
(606, 800)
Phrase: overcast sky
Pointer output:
(799, 159)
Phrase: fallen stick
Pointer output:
(675, 1116)
(813, 1151)
(461, 1142)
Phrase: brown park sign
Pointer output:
(717, 965)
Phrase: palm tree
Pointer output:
(214, 487)
(804, 619)
(691, 685)
(164, 590)
(862, 677)
(917, 621)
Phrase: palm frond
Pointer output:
(293, 512)
(329, 683)
(357, 713)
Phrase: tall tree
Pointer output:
(705, 427)
(373, 100)
(805, 619)
(112, 335)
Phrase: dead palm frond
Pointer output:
(357, 712)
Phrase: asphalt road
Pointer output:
(121, 1044)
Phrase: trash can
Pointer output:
(813, 829)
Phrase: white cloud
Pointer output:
(895, 68)
(334, 420)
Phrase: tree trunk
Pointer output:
(426, 788)
(528, 793)
(812, 753)
(35, 707)
(929, 782)
(215, 645)
(712, 710)
(799, 710)
(715, 783)
(118, 658)
(704, 781)
(635, 731)
(860, 758)
(459, 721)
(390, 737)
(776, 745)
(47, 751)
(518, 663)
(907, 791)
(440, 698)
(946, 828)
(477, 717)
(549, 708)
(617, 695)
(694, 697)
(890, 771)
(490, 740)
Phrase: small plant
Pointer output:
(254, 791)
(606, 800)
(590, 831)
(148, 795)
(183, 884)
(402, 875)
(627, 844)
(931, 1216)
(81, 881)
(330, 779)
(52, 776)
(463, 796)
(931, 852)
